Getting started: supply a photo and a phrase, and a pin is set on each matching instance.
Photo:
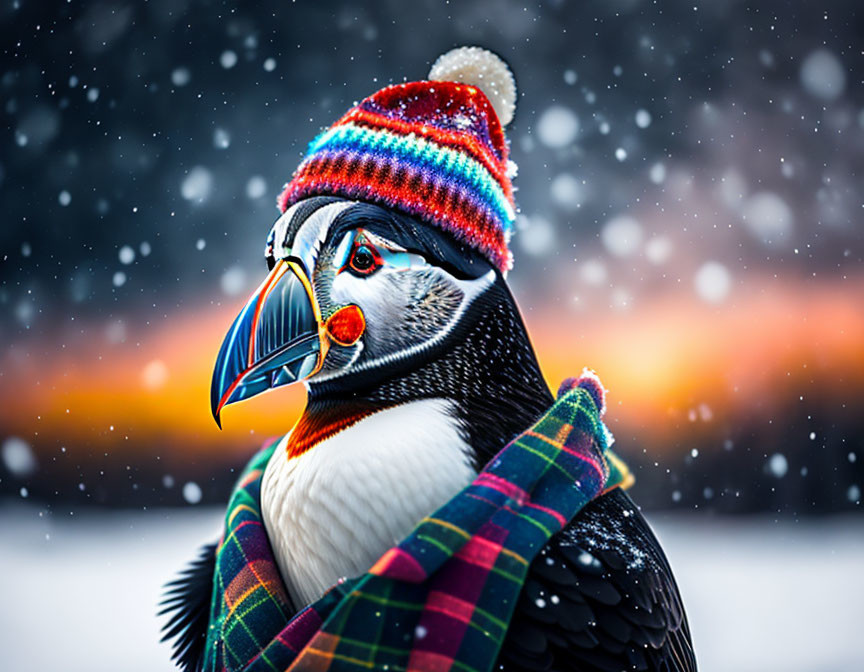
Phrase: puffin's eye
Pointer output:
(364, 260)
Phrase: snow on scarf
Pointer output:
(443, 598)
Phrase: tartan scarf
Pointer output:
(443, 598)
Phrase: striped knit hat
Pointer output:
(434, 149)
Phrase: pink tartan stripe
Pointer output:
(562, 521)
(426, 661)
(256, 523)
(481, 552)
(251, 476)
(503, 486)
(570, 451)
(399, 565)
(300, 630)
(449, 605)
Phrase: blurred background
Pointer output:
(690, 187)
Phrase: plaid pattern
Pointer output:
(443, 598)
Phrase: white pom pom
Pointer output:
(483, 69)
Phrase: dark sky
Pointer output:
(695, 152)
(171, 125)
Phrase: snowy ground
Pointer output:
(78, 593)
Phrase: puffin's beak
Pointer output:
(278, 338)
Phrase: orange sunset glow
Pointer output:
(660, 359)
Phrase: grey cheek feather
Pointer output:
(431, 308)
(414, 307)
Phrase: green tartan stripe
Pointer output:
(528, 518)
(437, 544)
(358, 601)
(542, 450)
(360, 644)
(486, 622)
(504, 574)
(386, 601)
(238, 660)
(388, 592)
(238, 616)
(365, 653)
(464, 666)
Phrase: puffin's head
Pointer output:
(355, 290)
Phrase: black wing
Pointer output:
(600, 597)
(187, 598)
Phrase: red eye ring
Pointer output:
(364, 259)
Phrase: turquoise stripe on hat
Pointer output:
(425, 155)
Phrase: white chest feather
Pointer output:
(334, 510)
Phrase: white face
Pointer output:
(409, 303)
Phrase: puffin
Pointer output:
(418, 369)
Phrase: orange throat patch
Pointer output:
(319, 423)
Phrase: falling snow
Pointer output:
(181, 76)
(768, 217)
(538, 235)
(256, 187)
(221, 139)
(228, 59)
(18, 457)
(233, 281)
(593, 272)
(657, 173)
(558, 127)
(192, 493)
(126, 255)
(622, 236)
(197, 185)
(567, 191)
(778, 465)
(822, 75)
(713, 282)
(658, 250)
(643, 118)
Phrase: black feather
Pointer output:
(600, 597)
(187, 600)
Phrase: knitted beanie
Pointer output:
(433, 149)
